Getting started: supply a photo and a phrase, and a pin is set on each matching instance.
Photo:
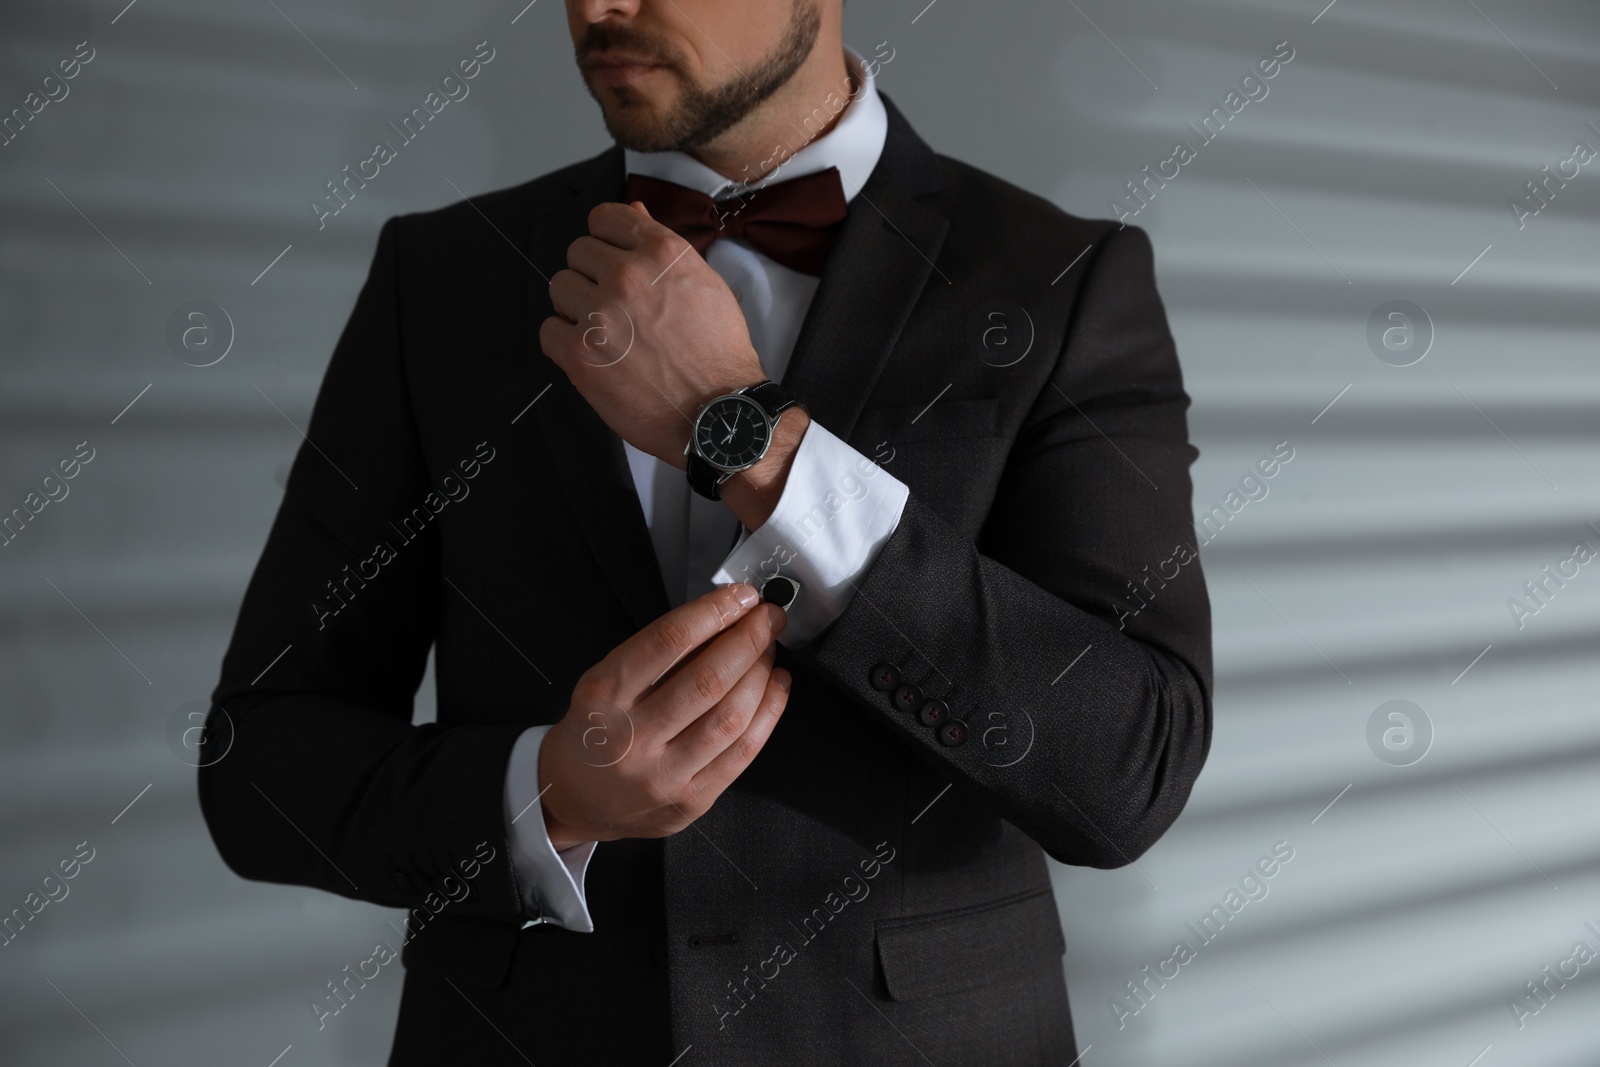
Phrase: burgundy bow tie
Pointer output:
(792, 222)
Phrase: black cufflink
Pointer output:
(782, 590)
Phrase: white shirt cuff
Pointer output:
(836, 511)
(550, 882)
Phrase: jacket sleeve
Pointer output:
(826, 556)
(1073, 639)
(315, 775)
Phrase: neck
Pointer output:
(808, 106)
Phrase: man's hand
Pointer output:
(646, 330)
(661, 726)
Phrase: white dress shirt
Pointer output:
(836, 510)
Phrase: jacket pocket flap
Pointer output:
(949, 951)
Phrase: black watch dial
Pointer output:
(732, 433)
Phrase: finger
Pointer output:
(720, 773)
(709, 676)
(687, 658)
(672, 672)
(592, 257)
(568, 343)
(572, 295)
(556, 337)
(637, 663)
(625, 227)
(639, 204)
(703, 739)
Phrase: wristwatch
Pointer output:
(732, 433)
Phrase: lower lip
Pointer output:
(623, 75)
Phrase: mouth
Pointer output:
(613, 68)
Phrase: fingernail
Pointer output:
(782, 678)
(746, 593)
(778, 618)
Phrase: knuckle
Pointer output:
(655, 799)
(729, 723)
(700, 793)
(672, 636)
(760, 631)
(746, 749)
(697, 798)
(630, 278)
(708, 681)
(664, 244)
(594, 690)
(659, 778)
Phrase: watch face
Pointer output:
(732, 433)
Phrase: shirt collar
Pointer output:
(853, 145)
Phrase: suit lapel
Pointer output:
(883, 258)
(588, 455)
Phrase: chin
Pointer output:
(624, 110)
(638, 127)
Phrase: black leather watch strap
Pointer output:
(772, 397)
(704, 478)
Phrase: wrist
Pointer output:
(561, 835)
(752, 494)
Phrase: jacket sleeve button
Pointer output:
(885, 677)
(907, 697)
(933, 712)
(953, 733)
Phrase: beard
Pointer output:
(702, 112)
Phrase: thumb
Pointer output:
(642, 209)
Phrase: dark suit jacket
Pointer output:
(863, 893)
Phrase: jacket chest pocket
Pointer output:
(950, 453)
(939, 421)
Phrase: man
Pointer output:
(656, 821)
